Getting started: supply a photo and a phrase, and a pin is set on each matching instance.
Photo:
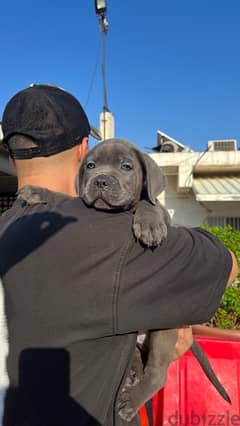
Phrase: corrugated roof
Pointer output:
(215, 188)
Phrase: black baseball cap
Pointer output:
(50, 116)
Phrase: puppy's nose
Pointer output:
(102, 181)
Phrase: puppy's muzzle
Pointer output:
(103, 191)
(103, 182)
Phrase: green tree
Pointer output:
(228, 313)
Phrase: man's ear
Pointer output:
(79, 177)
(82, 148)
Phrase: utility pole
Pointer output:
(106, 117)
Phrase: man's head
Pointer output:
(46, 115)
(44, 128)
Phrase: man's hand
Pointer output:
(184, 342)
(234, 270)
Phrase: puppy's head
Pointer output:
(113, 175)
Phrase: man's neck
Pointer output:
(65, 186)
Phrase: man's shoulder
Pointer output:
(65, 231)
(63, 217)
(58, 204)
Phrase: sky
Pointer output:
(171, 65)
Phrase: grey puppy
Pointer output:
(116, 176)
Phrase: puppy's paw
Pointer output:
(133, 379)
(150, 234)
(126, 410)
(127, 413)
(150, 223)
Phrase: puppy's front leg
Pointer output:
(150, 223)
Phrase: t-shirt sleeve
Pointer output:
(178, 283)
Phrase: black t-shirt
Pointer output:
(77, 289)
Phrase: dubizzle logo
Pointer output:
(205, 419)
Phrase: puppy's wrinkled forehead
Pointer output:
(112, 152)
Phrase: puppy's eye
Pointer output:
(91, 165)
(126, 166)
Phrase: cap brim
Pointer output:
(95, 133)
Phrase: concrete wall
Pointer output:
(231, 209)
(179, 198)
(226, 161)
(185, 210)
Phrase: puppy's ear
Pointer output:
(155, 180)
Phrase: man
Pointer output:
(77, 286)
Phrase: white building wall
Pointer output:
(228, 209)
(182, 207)
(185, 210)
(179, 197)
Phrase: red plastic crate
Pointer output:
(189, 398)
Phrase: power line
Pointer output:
(93, 76)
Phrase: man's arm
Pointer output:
(185, 335)
(184, 342)
(234, 270)
(179, 283)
